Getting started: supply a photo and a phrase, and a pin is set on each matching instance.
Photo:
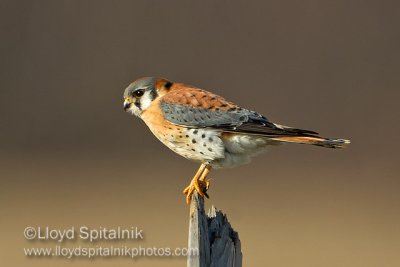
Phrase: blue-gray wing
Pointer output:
(236, 120)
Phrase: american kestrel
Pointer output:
(204, 127)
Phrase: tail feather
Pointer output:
(316, 141)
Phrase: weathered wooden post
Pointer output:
(212, 235)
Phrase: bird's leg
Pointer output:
(198, 183)
(194, 183)
(203, 180)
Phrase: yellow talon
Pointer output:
(198, 183)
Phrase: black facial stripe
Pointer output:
(153, 94)
(138, 104)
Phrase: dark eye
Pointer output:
(138, 93)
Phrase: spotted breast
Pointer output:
(201, 145)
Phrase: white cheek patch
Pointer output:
(146, 100)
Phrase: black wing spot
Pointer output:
(194, 141)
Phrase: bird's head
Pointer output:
(140, 94)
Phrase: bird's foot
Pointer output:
(200, 186)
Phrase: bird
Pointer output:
(205, 128)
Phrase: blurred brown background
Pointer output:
(71, 156)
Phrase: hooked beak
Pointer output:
(127, 104)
